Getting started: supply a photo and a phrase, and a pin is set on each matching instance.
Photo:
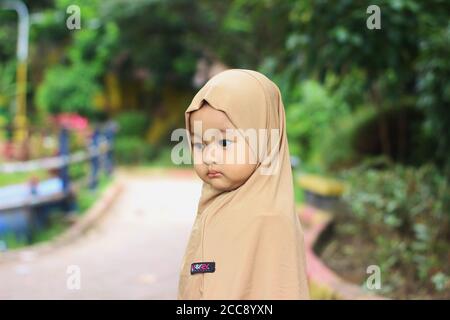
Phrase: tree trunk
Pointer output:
(383, 130)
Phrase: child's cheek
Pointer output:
(201, 170)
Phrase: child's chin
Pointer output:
(219, 185)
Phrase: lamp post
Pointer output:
(20, 116)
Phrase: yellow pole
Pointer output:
(20, 119)
(20, 116)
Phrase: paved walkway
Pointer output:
(134, 252)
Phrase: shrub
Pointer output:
(405, 213)
(68, 89)
(310, 118)
(131, 150)
(132, 124)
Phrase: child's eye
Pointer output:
(225, 143)
(198, 145)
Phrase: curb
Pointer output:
(88, 219)
(323, 281)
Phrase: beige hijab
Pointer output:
(252, 233)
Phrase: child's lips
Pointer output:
(214, 174)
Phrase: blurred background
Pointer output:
(105, 83)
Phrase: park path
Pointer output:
(134, 252)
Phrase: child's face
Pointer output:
(217, 151)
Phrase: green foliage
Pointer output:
(7, 91)
(334, 37)
(55, 226)
(311, 118)
(162, 157)
(7, 85)
(337, 149)
(79, 170)
(9, 241)
(71, 87)
(407, 60)
(132, 124)
(236, 29)
(87, 197)
(130, 145)
(131, 150)
(356, 138)
(405, 213)
(434, 87)
(8, 34)
(94, 47)
(68, 89)
(156, 34)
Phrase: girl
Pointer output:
(246, 242)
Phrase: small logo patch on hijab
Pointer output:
(203, 267)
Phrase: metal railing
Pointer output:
(27, 200)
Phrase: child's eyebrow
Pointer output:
(225, 130)
(221, 130)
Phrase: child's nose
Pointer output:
(211, 154)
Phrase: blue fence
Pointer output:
(26, 207)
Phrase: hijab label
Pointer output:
(203, 267)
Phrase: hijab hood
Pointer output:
(252, 234)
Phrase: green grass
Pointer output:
(10, 241)
(22, 177)
(76, 171)
(57, 226)
(79, 170)
(86, 197)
